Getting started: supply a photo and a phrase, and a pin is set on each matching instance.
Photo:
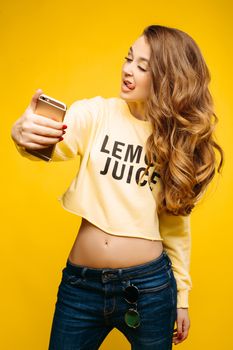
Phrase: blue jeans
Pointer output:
(90, 303)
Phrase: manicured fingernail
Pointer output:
(64, 126)
(61, 138)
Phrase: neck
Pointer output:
(137, 109)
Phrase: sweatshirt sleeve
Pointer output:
(79, 118)
(176, 234)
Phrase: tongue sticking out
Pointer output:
(131, 86)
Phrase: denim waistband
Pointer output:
(162, 261)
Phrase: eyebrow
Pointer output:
(141, 58)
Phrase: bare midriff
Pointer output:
(96, 248)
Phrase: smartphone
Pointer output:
(51, 108)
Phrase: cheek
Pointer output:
(146, 82)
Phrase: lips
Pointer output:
(129, 84)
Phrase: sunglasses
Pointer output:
(132, 317)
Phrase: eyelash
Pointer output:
(128, 59)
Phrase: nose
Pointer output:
(127, 70)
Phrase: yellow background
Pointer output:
(75, 50)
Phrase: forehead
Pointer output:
(140, 48)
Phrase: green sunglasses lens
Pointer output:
(132, 318)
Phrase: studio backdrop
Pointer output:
(74, 50)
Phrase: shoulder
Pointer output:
(96, 105)
(88, 102)
(99, 99)
(104, 101)
(113, 102)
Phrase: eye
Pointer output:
(144, 70)
(129, 60)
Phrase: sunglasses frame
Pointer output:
(132, 303)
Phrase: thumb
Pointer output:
(34, 99)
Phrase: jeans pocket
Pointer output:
(155, 288)
(153, 282)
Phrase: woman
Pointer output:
(147, 157)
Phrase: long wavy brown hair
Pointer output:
(180, 108)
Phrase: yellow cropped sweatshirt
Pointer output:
(107, 189)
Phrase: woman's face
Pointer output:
(136, 71)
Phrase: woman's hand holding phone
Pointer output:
(34, 131)
(40, 127)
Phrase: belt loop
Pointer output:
(169, 260)
(83, 272)
(120, 272)
(168, 257)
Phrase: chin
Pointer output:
(126, 97)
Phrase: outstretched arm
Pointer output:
(35, 132)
